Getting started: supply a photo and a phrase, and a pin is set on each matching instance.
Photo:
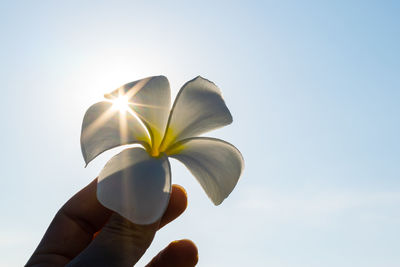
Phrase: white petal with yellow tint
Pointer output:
(105, 127)
(135, 185)
(150, 98)
(198, 108)
(216, 164)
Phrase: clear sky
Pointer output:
(313, 87)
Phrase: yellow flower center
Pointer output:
(155, 152)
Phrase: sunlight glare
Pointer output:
(121, 103)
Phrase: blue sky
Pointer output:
(313, 87)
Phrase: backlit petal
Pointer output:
(216, 164)
(104, 127)
(135, 185)
(150, 98)
(198, 108)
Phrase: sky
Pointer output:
(313, 87)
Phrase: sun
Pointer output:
(121, 103)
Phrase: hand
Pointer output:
(84, 233)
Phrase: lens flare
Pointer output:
(121, 103)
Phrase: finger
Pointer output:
(73, 226)
(122, 243)
(178, 253)
(119, 243)
(176, 206)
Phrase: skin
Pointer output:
(85, 233)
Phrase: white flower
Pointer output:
(136, 183)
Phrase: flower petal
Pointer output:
(216, 164)
(135, 185)
(150, 98)
(198, 108)
(104, 127)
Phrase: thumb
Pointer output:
(120, 243)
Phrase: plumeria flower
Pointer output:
(136, 183)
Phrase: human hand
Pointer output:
(84, 233)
